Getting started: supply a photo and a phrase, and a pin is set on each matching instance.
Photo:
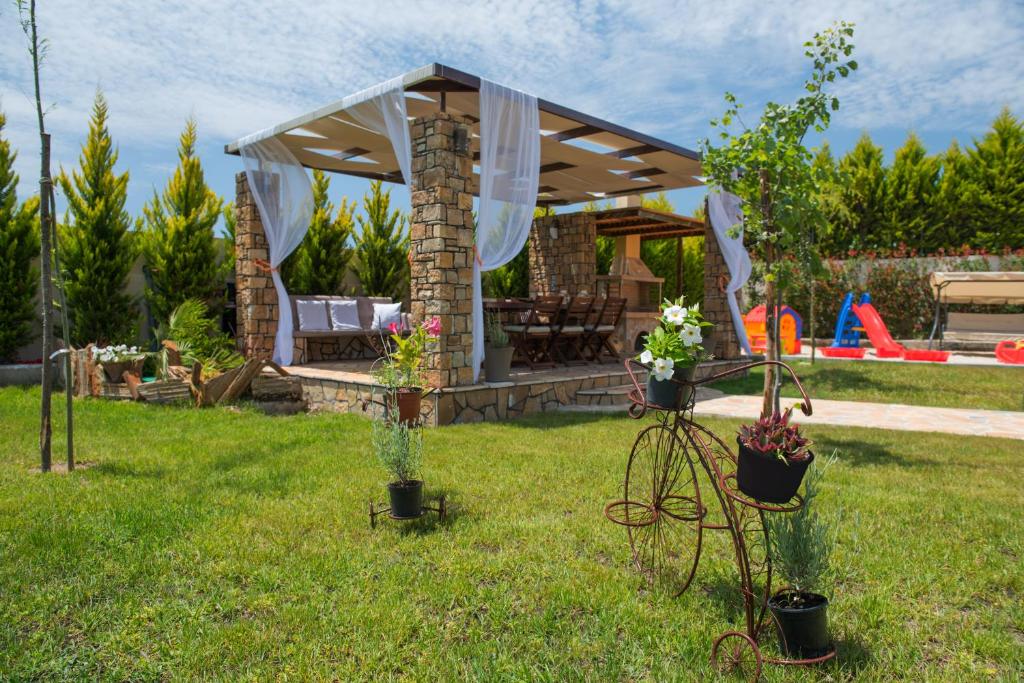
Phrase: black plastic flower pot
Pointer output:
(406, 499)
(801, 621)
(669, 394)
(768, 478)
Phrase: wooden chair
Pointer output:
(567, 337)
(532, 337)
(598, 335)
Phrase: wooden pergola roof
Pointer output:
(650, 224)
(583, 158)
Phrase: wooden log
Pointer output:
(165, 391)
(241, 381)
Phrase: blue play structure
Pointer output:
(848, 326)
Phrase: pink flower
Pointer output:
(394, 328)
(433, 326)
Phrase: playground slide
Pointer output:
(846, 343)
(885, 345)
(878, 333)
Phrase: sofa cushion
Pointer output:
(386, 314)
(344, 315)
(312, 315)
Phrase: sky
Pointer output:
(942, 69)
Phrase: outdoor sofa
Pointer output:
(337, 327)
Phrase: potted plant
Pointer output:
(800, 545)
(399, 448)
(116, 360)
(497, 350)
(401, 369)
(672, 350)
(773, 457)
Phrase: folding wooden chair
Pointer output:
(532, 337)
(598, 336)
(567, 336)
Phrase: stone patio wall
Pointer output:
(255, 296)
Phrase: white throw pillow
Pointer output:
(385, 314)
(312, 315)
(345, 315)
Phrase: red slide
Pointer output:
(878, 333)
(885, 345)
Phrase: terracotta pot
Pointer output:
(409, 400)
(116, 369)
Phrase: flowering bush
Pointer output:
(676, 341)
(116, 354)
(402, 366)
(774, 436)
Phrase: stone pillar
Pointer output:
(255, 296)
(563, 254)
(716, 306)
(442, 242)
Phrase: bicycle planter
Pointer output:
(665, 516)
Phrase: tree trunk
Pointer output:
(813, 313)
(65, 324)
(771, 327)
(45, 294)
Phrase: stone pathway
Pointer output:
(1001, 423)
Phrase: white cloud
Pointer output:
(658, 66)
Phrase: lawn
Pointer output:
(924, 384)
(223, 544)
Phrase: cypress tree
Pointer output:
(951, 207)
(19, 244)
(909, 198)
(863, 194)
(319, 264)
(97, 250)
(834, 239)
(382, 246)
(178, 239)
(995, 186)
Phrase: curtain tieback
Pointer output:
(264, 266)
(476, 255)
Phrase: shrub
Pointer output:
(900, 292)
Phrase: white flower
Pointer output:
(695, 309)
(646, 357)
(690, 334)
(675, 315)
(663, 368)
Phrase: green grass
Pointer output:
(224, 545)
(954, 386)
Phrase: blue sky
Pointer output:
(942, 69)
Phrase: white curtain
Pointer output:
(383, 111)
(725, 211)
(284, 196)
(509, 173)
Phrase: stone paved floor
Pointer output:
(1001, 423)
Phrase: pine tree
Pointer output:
(382, 246)
(863, 195)
(177, 235)
(951, 208)
(995, 189)
(97, 250)
(19, 245)
(909, 198)
(319, 264)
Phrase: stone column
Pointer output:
(442, 242)
(563, 254)
(716, 306)
(255, 296)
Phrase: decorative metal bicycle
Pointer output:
(665, 515)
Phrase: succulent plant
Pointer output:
(775, 436)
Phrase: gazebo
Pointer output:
(581, 159)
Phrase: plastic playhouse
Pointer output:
(791, 327)
(1010, 351)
